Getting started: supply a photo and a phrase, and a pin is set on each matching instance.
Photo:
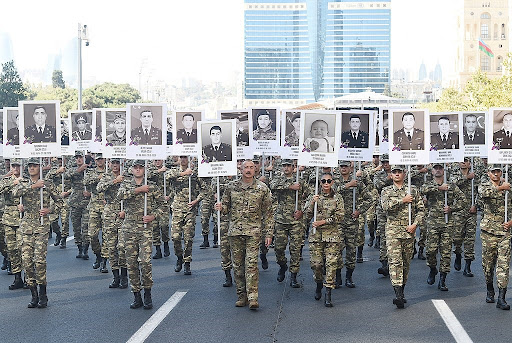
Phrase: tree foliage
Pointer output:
(58, 80)
(12, 89)
(109, 95)
(68, 97)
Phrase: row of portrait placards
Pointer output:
(314, 138)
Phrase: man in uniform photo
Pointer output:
(409, 137)
(147, 134)
(13, 134)
(40, 132)
(472, 133)
(118, 137)
(81, 133)
(217, 151)
(503, 137)
(355, 138)
(444, 139)
(188, 134)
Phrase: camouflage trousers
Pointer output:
(113, 238)
(34, 247)
(294, 233)
(330, 251)
(161, 229)
(206, 213)
(439, 238)
(399, 255)
(3, 246)
(381, 231)
(225, 247)
(64, 216)
(465, 232)
(367, 219)
(138, 256)
(348, 243)
(80, 221)
(496, 256)
(183, 226)
(95, 225)
(244, 250)
(423, 236)
(12, 240)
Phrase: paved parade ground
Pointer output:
(197, 308)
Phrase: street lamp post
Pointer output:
(82, 36)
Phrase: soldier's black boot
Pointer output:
(501, 300)
(43, 298)
(490, 293)
(85, 252)
(264, 262)
(17, 283)
(4, 263)
(137, 300)
(124, 278)
(377, 242)
(158, 253)
(384, 269)
(458, 262)
(348, 278)
(421, 256)
(167, 252)
(179, 264)
(399, 297)
(327, 300)
(432, 276)
(359, 256)
(467, 269)
(371, 239)
(293, 281)
(9, 268)
(63, 243)
(80, 253)
(115, 280)
(442, 282)
(35, 297)
(96, 263)
(103, 265)
(205, 243)
(318, 291)
(186, 269)
(215, 241)
(58, 237)
(403, 291)
(228, 282)
(282, 272)
(338, 282)
(148, 302)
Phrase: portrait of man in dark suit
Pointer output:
(188, 134)
(40, 131)
(217, 151)
(13, 133)
(503, 137)
(409, 137)
(146, 133)
(355, 138)
(80, 131)
(472, 133)
(444, 139)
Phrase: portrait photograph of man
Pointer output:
(97, 133)
(355, 130)
(64, 132)
(502, 133)
(146, 125)
(444, 131)
(169, 129)
(218, 137)
(242, 126)
(292, 128)
(116, 128)
(40, 121)
(81, 123)
(408, 130)
(474, 128)
(13, 122)
(186, 126)
(264, 124)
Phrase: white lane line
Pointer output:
(452, 322)
(70, 238)
(150, 325)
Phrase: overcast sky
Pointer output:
(193, 38)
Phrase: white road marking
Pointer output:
(452, 322)
(70, 238)
(150, 325)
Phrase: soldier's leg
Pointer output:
(225, 247)
(145, 258)
(164, 227)
(206, 213)
(121, 246)
(263, 248)
(445, 245)
(281, 241)
(109, 237)
(350, 247)
(458, 228)
(469, 238)
(27, 258)
(407, 254)
(251, 267)
(132, 254)
(360, 231)
(332, 251)
(54, 225)
(296, 238)
(76, 221)
(188, 235)
(370, 222)
(383, 251)
(64, 216)
(40, 250)
(177, 232)
(156, 237)
(433, 241)
(395, 261)
(342, 245)
(85, 226)
(3, 246)
(316, 259)
(95, 224)
(489, 255)
(13, 252)
(238, 250)
(503, 261)
(423, 236)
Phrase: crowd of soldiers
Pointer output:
(122, 208)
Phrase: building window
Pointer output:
(499, 63)
(484, 31)
(484, 63)
(485, 16)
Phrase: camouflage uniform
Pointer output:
(250, 217)
(78, 204)
(3, 247)
(418, 179)
(326, 241)
(57, 179)
(96, 208)
(225, 248)
(380, 181)
(11, 223)
(206, 205)
(160, 229)
(260, 134)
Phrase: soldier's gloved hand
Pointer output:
(505, 186)
(319, 223)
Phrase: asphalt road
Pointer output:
(83, 309)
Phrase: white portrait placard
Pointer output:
(96, 146)
(499, 135)
(410, 141)
(446, 138)
(147, 131)
(113, 136)
(242, 130)
(290, 134)
(357, 144)
(11, 132)
(66, 147)
(185, 132)
(474, 137)
(82, 129)
(265, 130)
(217, 139)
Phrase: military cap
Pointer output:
(79, 153)
(120, 116)
(262, 112)
(287, 161)
(397, 167)
(80, 118)
(384, 158)
(98, 156)
(34, 160)
(16, 161)
(344, 164)
(256, 158)
(492, 167)
(138, 163)
(437, 164)
(118, 160)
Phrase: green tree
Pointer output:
(68, 97)
(109, 95)
(58, 80)
(12, 89)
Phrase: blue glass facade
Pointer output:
(315, 49)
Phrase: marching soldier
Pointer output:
(206, 212)
(382, 179)
(161, 229)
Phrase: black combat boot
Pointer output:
(186, 270)
(384, 269)
(293, 281)
(63, 243)
(115, 280)
(58, 237)
(359, 255)
(432, 276)
(17, 283)
(9, 268)
(35, 297)
(371, 239)
(124, 278)
(167, 252)
(148, 302)
(377, 242)
(421, 256)
(501, 300)
(490, 293)
(264, 262)
(215, 241)
(458, 261)
(43, 299)
(137, 300)
(228, 282)
(96, 263)
(4, 263)
(467, 269)
(327, 300)
(205, 243)
(103, 265)
(338, 282)
(158, 253)
(179, 264)
(399, 297)
(282, 272)
(318, 291)
(85, 252)
(442, 282)
(403, 292)
(80, 253)
(348, 278)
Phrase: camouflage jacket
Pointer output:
(435, 199)
(397, 212)
(249, 207)
(109, 189)
(381, 180)
(363, 197)
(331, 209)
(285, 198)
(77, 198)
(159, 179)
(494, 208)
(91, 180)
(179, 185)
(56, 178)
(464, 184)
(11, 215)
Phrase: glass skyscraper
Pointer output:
(311, 50)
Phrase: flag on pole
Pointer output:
(482, 46)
